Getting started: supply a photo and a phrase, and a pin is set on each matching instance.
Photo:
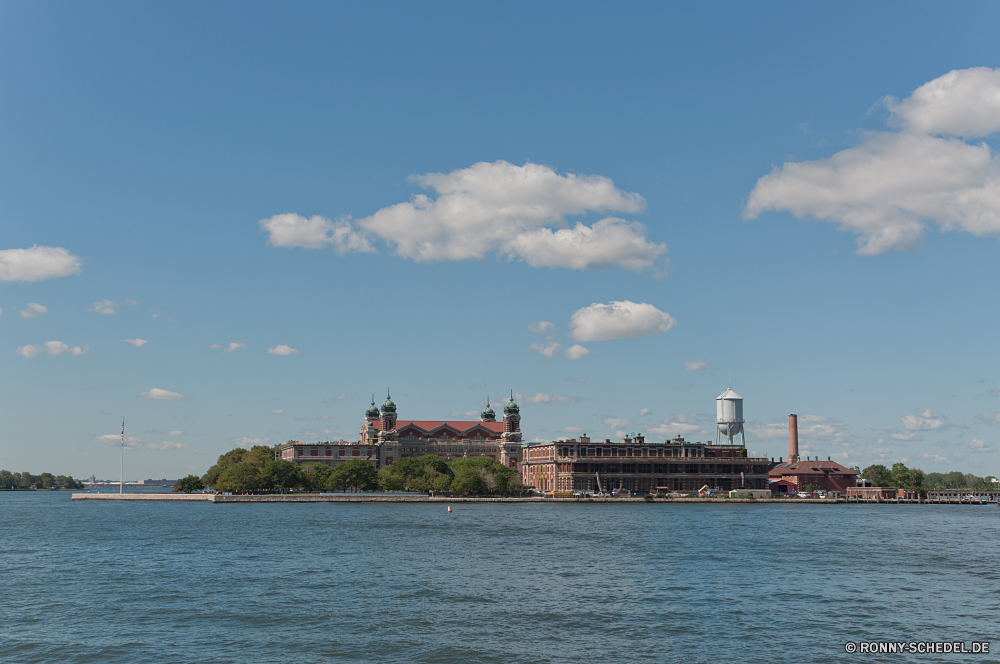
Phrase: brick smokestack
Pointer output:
(793, 438)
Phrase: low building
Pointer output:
(871, 492)
(328, 453)
(821, 475)
(637, 465)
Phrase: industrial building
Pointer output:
(638, 465)
(798, 474)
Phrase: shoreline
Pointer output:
(361, 498)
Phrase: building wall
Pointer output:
(576, 465)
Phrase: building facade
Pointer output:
(395, 439)
(328, 454)
(822, 475)
(637, 465)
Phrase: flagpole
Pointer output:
(121, 476)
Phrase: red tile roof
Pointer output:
(427, 427)
(810, 468)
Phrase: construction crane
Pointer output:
(705, 492)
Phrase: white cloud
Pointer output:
(466, 414)
(175, 433)
(513, 212)
(282, 349)
(572, 430)
(292, 230)
(157, 393)
(575, 352)
(643, 412)
(811, 428)
(695, 365)
(233, 345)
(977, 445)
(991, 419)
(103, 307)
(541, 327)
(617, 422)
(934, 458)
(247, 443)
(925, 421)
(887, 187)
(136, 343)
(116, 439)
(912, 435)
(276, 411)
(33, 310)
(668, 429)
(52, 348)
(548, 350)
(963, 102)
(544, 399)
(166, 445)
(37, 263)
(619, 320)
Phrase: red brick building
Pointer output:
(822, 475)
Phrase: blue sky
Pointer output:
(805, 197)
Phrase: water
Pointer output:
(197, 582)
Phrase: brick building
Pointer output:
(822, 475)
(396, 439)
(633, 463)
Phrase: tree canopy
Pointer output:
(901, 477)
(189, 484)
(9, 480)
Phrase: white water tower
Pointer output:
(729, 416)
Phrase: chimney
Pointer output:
(793, 438)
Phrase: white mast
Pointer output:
(121, 477)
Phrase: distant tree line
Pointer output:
(901, 477)
(9, 480)
(256, 470)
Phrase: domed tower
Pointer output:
(487, 415)
(388, 413)
(372, 412)
(729, 416)
(510, 441)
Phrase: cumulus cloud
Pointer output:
(977, 445)
(811, 428)
(157, 393)
(33, 310)
(276, 411)
(575, 352)
(513, 212)
(103, 307)
(925, 421)
(643, 412)
(136, 343)
(293, 230)
(52, 348)
(888, 187)
(619, 320)
(175, 433)
(37, 263)
(166, 445)
(282, 349)
(541, 327)
(695, 365)
(668, 429)
(548, 350)
(233, 345)
(544, 399)
(934, 458)
(617, 422)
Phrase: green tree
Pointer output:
(878, 475)
(280, 475)
(900, 476)
(468, 480)
(316, 476)
(189, 484)
(414, 474)
(239, 477)
(358, 474)
(7, 480)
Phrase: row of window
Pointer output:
(314, 452)
(671, 468)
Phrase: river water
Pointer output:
(329, 582)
